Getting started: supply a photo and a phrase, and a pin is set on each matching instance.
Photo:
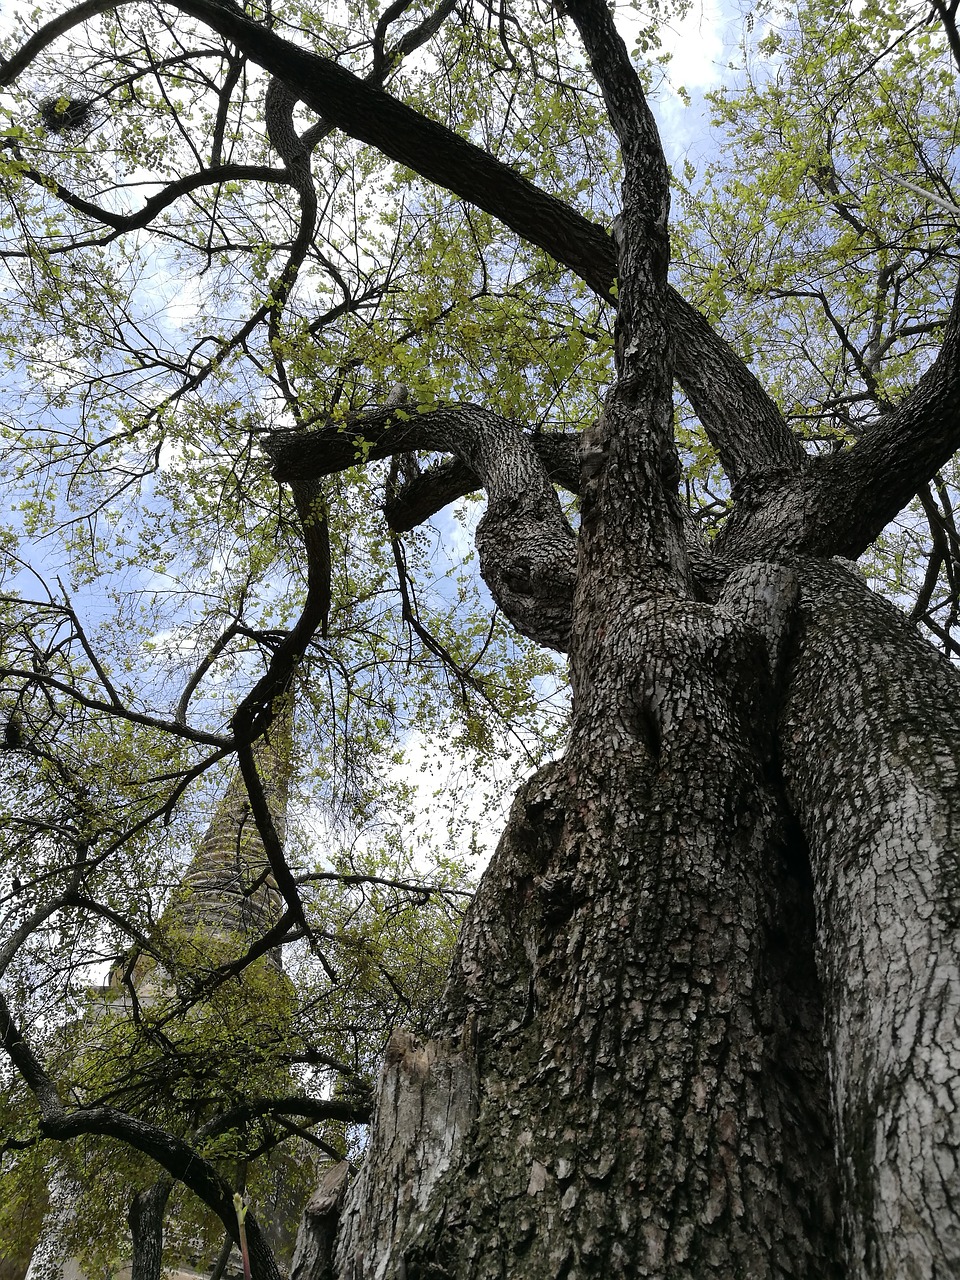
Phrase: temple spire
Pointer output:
(228, 896)
(228, 887)
(226, 900)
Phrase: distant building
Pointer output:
(227, 900)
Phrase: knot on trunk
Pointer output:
(529, 564)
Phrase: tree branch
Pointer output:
(743, 422)
(179, 1159)
(840, 504)
(631, 518)
(174, 1155)
(155, 204)
(46, 681)
(947, 15)
(346, 1112)
(860, 491)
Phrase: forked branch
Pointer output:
(527, 549)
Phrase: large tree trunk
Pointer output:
(689, 1013)
(652, 991)
(703, 1016)
(631, 1080)
(871, 753)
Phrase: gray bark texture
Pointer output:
(632, 1078)
(703, 1018)
(871, 758)
(145, 1217)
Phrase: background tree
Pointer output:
(702, 1014)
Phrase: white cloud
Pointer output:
(697, 45)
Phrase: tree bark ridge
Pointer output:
(884, 836)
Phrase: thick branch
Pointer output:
(444, 482)
(946, 12)
(741, 420)
(263, 817)
(438, 154)
(179, 1159)
(426, 494)
(301, 455)
(881, 473)
(33, 922)
(631, 519)
(841, 503)
(643, 244)
(527, 550)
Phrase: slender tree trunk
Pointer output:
(146, 1229)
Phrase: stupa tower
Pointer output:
(228, 893)
(225, 902)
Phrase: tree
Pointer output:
(701, 1018)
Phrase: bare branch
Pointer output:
(345, 1110)
(123, 712)
(218, 646)
(155, 204)
(423, 891)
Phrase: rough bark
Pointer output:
(526, 548)
(633, 1074)
(146, 1230)
(658, 978)
(871, 752)
(633, 1020)
(313, 1257)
